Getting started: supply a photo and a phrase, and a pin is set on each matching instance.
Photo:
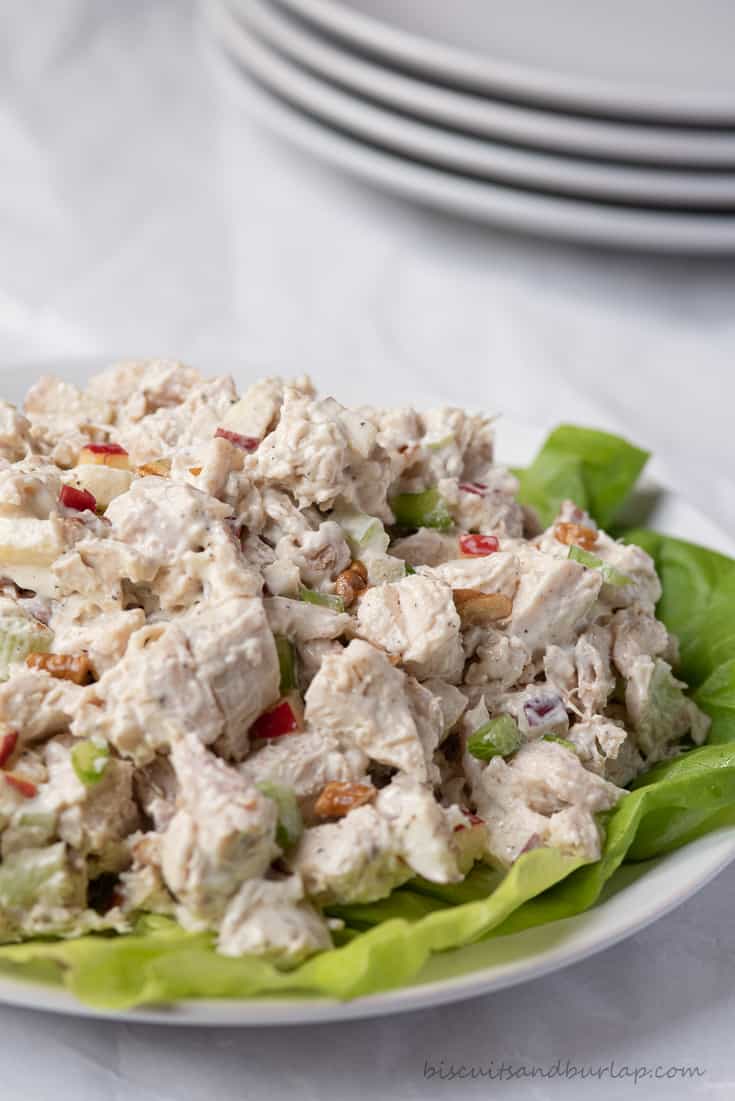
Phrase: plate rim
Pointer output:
(493, 162)
(710, 854)
(537, 214)
(456, 67)
(521, 124)
(280, 1011)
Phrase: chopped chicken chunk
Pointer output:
(211, 671)
(374, 849)
(320, 452)
(416, 620)
(543, 792)
(37, 704)
(222, 834)
(272, 918)
(305, 763)
(554, 600)
(361, 699)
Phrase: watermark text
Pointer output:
(507, 1071)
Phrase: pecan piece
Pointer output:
(359, 567)
(74, 667)
(339, 797)
(351, 582)
(478, 609)
(160, 468)
(575, 535)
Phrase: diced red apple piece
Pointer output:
(21, 785)
(279, 721)
(245, 443)
(104, 454)
(544, 710)
(473, 820)
(79, 499)
(478, 546)
(8, 742)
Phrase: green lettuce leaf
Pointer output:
(161, 962)
(385, 944)
(594, 469)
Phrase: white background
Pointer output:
(142, 213)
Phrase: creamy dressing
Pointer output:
(253, 665)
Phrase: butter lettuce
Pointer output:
(161, 962)
(594, 469)
(386, 943)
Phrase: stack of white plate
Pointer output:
(611, 123)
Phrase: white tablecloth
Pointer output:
(142, 213)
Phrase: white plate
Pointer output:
(485, 116)
(655, 888)
(654, 59)
(526, 211)
(493, 161)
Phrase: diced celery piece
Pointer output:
(437, 445)
(89, 759)
(364, 534)
(32, 874)
(325, 600)
(286, 663)
(427, 509)
(19, 637)
(666, 710)
(497, 738)
(290, 823)
(560, 741)
(609, 573)
(30, 829)
(410, 571)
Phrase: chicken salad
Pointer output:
(265, 655)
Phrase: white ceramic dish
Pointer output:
(654, 888)
(495, 162)
(483, 115)
(524, 211)
(654, 59)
